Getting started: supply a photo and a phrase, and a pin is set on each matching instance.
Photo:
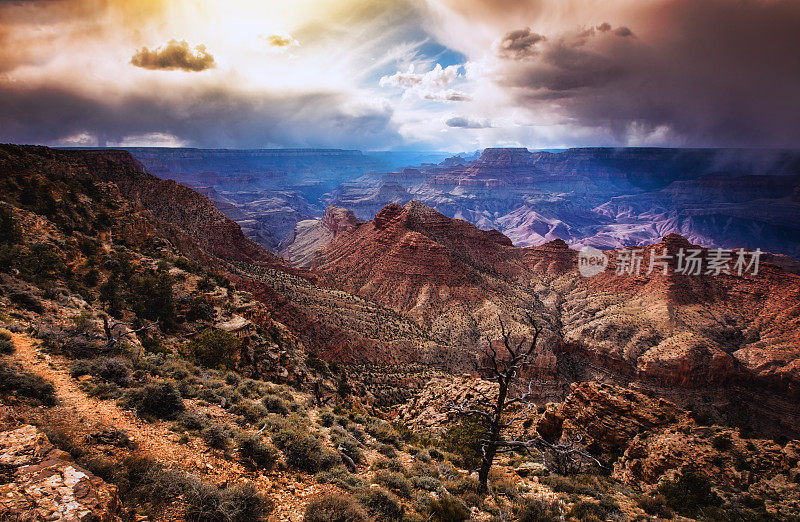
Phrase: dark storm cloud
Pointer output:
(201, 117)
(175, 55)
(462, 122)
(519, 44)
(704, 73)
(624, 32)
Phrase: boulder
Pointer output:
(42, 483)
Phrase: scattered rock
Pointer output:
(43, 480)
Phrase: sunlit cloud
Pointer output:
(431, 85)
(280, 42)
(174, 55)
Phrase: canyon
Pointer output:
(393, 314)
(606, 198)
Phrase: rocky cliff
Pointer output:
(312, 235)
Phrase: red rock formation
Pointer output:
(176, 205)
(312, 235)
(665, 330)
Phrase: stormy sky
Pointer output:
(400, 74)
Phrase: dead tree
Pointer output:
(505, 369)
(113, 339)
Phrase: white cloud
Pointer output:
(431, 85)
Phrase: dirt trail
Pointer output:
(157, 441)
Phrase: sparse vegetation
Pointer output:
(216, 436)
(334, 508)
(538, 510)
(448, 509)
(302, 449)
(152, 483)
(381, 504)
(690, 494)
(23, 384)
(213, 348)
(159, 400)
(256, 453)
(6, 344)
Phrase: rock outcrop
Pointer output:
(42, 483)
(311, 235)
(606, 417)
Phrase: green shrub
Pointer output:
(590, 510)
(153, 345)
(275, 404)
(316, 364)
(463, 439)
(112, 369)
(326, 418)
(24, 384)
(104, 391)
(538, 510)
(205, 284)
(339, 476)
(384, 432)
(208, 503)
(348, 446)
(420, 469)
(702, 418)
(406, 433)
(334, 508)
(505, 486)
(448, 509)
(329, 459)
(149, 482)
(302, 449)
(10, 231)
(722, 442)
(152, 298)
(6, 344)
(655, 505)
(249, 410)
(91, 278)
(426, 483)
(387, 450)
(396, 482)
(157, 400)
(390, 464)
(423, 456)
(41, 263)
(186, 265)
(200, 310)
(690, 494)
(232, 379)
(213, 348)
(359, 435)
(27, 301)
(381, 504)
(192, 421)
(216, 436)
(580, 485)
(255, 452)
